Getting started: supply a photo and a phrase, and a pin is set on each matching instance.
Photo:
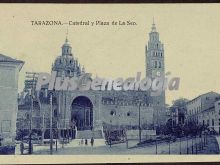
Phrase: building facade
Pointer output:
(95, 110)
(217, 117)
(202, 110)
(9, 72)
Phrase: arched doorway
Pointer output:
(82, 113)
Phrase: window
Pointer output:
(6, 125)
(128, 114)
(55, 113)
(213, 122)
(113, 113)
(159, 64)
(27, 115)
(161, 54)
(155, 64)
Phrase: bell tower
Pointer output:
(154, 53)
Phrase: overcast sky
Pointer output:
(190, 33)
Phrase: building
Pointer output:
(155, 67)
(217, 117)
(93, 111)
(202, 110)
(9, 72)
(179, 111)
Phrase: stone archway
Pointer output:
(82, 113)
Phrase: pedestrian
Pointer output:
(81, 141)
(22, 148)
(92, 141)
(86, 142)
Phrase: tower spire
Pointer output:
(153, 26)
(66, 35)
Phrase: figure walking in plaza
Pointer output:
(86, 142)
(92, 141)
(22, 148)
(81, 141)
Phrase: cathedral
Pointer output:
(81, 111)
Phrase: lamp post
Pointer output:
(30, 117)
(169, 143)
(156, 145)
(30, 83)
(196, 144)
(139, 120)
(51, 123)
(187, 144)
(57, 133)
(180, 146)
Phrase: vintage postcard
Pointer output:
(109, 82)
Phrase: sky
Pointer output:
(190, 33)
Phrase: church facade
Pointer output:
(95, 110)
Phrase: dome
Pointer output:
(66, 45)
(65, 63)
(66, 49)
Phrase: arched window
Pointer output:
(155, 64)
(68, 72)
(113, 113)
(55, 113)
(159, 64)
(27, 115)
